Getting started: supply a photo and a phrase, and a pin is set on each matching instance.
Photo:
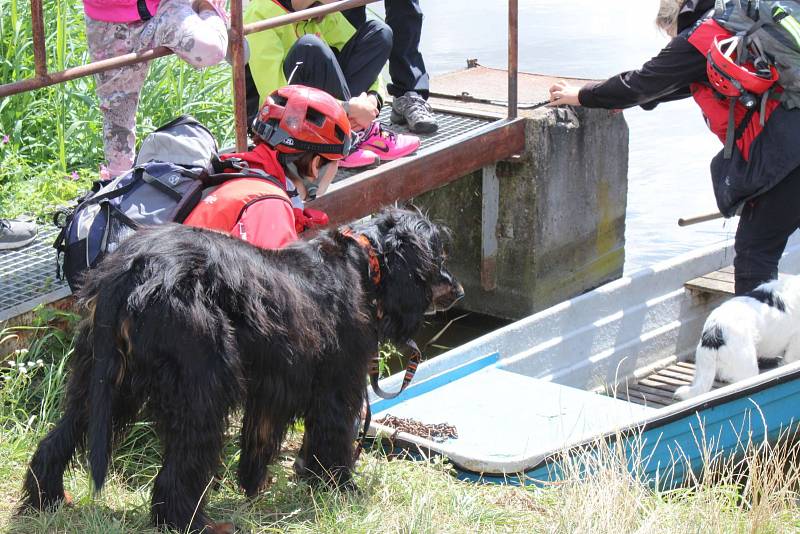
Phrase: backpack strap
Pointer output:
(166, 188)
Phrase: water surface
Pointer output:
(670, 147)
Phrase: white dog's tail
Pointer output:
(705, 364)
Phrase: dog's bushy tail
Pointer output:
(105, 370)
(706, 356)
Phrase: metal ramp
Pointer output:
(28, 275)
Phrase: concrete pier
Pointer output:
(541, 228)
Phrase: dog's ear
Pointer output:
(410, 263)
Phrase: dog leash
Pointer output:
(374, 376)
(411, 368)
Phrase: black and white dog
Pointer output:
(762, 325)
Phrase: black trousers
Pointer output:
(341, 73)
(764, 227)
(406, 66)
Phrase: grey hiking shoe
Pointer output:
(16, 234)
(415, 111)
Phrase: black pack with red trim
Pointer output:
(174, 164)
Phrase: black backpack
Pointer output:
(174, 164)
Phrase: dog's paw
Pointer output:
(683, 393)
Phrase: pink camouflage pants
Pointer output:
(199, 39)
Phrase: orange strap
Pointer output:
(364, 242)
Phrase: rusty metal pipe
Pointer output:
(261, 25)
(235, 38)
(153, 53)
(513, 56)
(84, 70)
(39, 52)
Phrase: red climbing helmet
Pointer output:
(297, 119)
(731, 79)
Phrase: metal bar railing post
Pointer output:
(95, 67)
(39, 52)
(513, 56)
(236, 45)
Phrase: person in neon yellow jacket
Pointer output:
(329, 54)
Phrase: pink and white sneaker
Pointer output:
(360, 157)
(387, 144)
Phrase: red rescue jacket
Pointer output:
(257, 210)
(716, 107)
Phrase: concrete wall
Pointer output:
(560, 215)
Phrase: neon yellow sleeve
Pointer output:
(267, 52)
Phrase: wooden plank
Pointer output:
(683, 371)
(686, 365)
(706, 285)
(664, 396)
(640, 398)
(405, 178)
(649, 382)
(668, 380)
(673, 374)
(717, 282)
(720, 276)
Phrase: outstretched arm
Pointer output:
(665, 77)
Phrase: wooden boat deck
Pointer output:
(656, 389)
(718, 282)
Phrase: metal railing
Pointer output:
(237, 32)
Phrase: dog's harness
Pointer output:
(374, 365)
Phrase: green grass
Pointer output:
(51, 139)
(395, 495)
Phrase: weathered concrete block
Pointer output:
(560, 215)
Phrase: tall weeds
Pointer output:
(51, 139)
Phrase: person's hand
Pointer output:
(564, 94)
(363, 110)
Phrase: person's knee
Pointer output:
(311, 53)
(310, 47)
(380, 35)
(206, 52)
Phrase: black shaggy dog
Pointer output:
(190, 324)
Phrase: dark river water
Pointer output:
(670, 147)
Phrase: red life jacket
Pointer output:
(255, 209)
(716, 107)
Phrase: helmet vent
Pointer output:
(338, 132)
(314, 116)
